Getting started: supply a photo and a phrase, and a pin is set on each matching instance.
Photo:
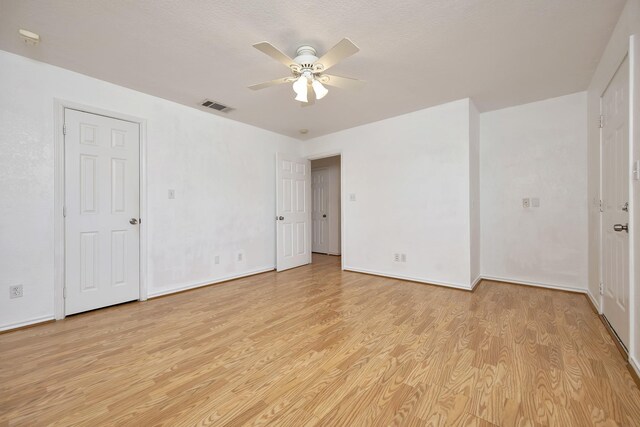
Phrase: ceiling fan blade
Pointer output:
(271, 83)
(341, 82)
(269, 49)
(311, 97)
(340, 51)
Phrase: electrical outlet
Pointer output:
(403, 257)
(526, 203)
(396, 257)
(15, 291)
(216, 259)
(172, 194)
(535, 202)
(352, 197)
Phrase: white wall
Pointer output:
(614, 54)
(333, 200)
(535, 150)
(410, 177)
(223, 173)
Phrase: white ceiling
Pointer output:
(414, 53)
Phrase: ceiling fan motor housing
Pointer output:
(306, 57)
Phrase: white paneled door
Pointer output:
(293, 211)
(320, 210)
(102, 209)
(615, 198)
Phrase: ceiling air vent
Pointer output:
(216, 106)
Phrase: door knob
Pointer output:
(620, 227)
(324, 216)
(133, 221)
(281, 218)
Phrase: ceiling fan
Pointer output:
(308, 71)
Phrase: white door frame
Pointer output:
(343, 199)
(59, 247)
(634, 143)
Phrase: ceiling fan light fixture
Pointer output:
(308, 70)
(302, 97)
(300, 88)
(319, 89)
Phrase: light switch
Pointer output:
(535, 202)
(172, 194)
(352, 197)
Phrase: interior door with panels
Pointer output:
(102, 209)
(293, 211)
(615, 206)
(320, 203)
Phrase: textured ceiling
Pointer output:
(414, 53)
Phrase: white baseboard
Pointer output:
(635, 365)
(536, 284)
(199, 284)
(194, 285)
(409, 278)
(475, 282)
(32, 321)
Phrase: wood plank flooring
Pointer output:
(318, 346)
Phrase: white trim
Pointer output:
(59, 106)
(144, 217)
(324, 155)
(343, 200)
(200, 284)
(58, 206)
(409, 278)
(536, 284)
(600, 258)
(32, 321)
(594, 301)
(634, 110)
(473, 284)
(634, 364)
(476, 281)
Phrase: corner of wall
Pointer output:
(474, 195)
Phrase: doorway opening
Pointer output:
(326, 206)
(309, 217)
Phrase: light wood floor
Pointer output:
(317, 346)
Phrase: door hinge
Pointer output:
(64, 292)
(601, 124)
(64, 211)
(64, 129)
(601, 288)
(600, 206)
